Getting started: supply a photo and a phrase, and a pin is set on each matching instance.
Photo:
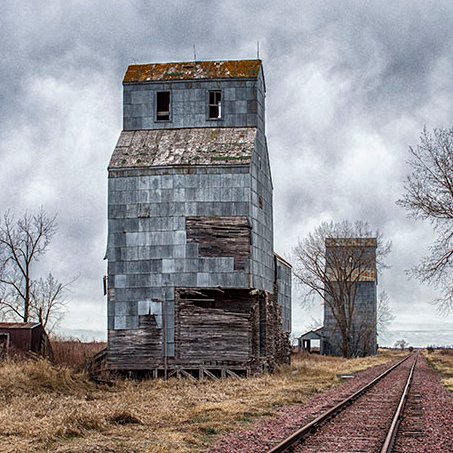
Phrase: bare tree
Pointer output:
(314, 324)
(49, 299)
(429, 196)
(402, 344)
(336, 277)
(22, 243)
(384, 314)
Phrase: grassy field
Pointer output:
(47, 408)
(442, 361)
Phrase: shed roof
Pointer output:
(201, 146)
(282, 260)
(18, 325)
(313, 334)
(191, 70)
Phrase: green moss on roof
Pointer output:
(240, 69)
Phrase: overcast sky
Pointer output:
(350, 85)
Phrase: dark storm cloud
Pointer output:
(350, 86)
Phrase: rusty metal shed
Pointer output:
(22, 338)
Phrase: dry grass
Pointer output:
(442, 361)
(47, 408)
(74, 353)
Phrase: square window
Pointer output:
(215, 105)
(163, 106)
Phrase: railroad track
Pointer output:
(369, 419)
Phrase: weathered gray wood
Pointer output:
(221, 236)
(136, 349)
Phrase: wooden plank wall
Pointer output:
(136, 349)
(221, 236)
(214, 326)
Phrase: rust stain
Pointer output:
(241, 69)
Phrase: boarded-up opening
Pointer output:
(214, 326)
(221, 237)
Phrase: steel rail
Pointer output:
(391, 435)
(297, 436)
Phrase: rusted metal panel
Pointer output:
(18, 325)
(25, 337)
(240, 69)
(202, 146)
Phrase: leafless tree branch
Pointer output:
(22, 243)
(335, 277)
(429, 196)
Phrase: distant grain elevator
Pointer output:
(194, 286)
(360, 302)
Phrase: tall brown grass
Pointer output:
(442, 361)
(49, 408)
(74, 353)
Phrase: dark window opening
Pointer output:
(4, 343)
(215, 105)
(162, 105)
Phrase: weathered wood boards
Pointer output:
(221, 236)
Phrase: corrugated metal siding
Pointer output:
(262, 262)
(284, 281)
(148, 254)
(364, 320)
(166, 172)
(242, 104)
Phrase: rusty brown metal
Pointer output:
(24, 337)
(241, 69)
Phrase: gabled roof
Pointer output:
(191, 70)
(191, 146)
(312, 334)
(18, 325)
(282, 260)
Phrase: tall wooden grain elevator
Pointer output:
(194, 286)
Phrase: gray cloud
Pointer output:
(349, 86)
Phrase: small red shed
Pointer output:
(23, 337)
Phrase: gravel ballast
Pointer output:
(434, 434)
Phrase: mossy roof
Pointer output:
(190, 146)
(192, 70)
